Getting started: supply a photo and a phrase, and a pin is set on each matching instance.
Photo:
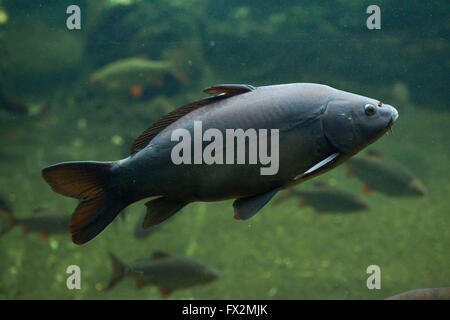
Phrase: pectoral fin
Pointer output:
(322, 165)
(245, 208)
(160, 209)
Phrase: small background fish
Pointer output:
(385, 175)
(166, 271)
(136, 76)
(324, 198)
(42, 221)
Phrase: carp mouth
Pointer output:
(388, 129)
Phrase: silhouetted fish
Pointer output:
(423, 294)
(385, 175)
(167, 272)
(5, 204)
(319, 128)
(324, 198)
(131, 74)
(12, 104)
(43, 222)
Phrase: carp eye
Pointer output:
(370, 110)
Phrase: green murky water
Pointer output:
(284, 252)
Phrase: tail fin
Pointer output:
(178, 67)
(9, 221)
(88, 181)
(119, 271)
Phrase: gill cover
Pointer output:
(352, 123)
(339, 126)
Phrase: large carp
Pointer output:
(318, 128)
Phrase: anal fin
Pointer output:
(161, 209)
(245, 208)
(139, 281)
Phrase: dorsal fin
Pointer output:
(159, 255)
(229, 88)
(142, 141)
